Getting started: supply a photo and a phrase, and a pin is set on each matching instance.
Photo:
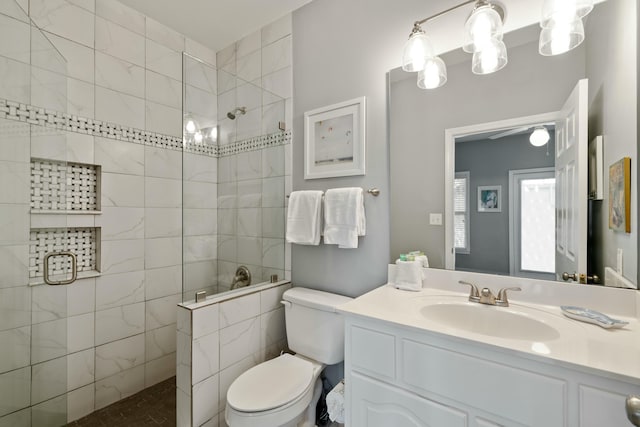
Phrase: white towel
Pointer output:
(304, 217)
(344, 218)
(335, 403)
(424, 260)
(408, 275)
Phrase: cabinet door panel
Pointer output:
(516, 394)
(602, 408)
(373, 352)
(375, 404)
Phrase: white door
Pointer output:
(571, 184)
(532, 230)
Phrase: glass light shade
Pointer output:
(417, 50)
(197, 137)
(483, 25)
(190, 126)
(490, 59)
(433, 75)
(564, 10)
(539, 136)
(561, 37)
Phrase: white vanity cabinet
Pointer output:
(399, 376)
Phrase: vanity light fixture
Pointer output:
(482, 37)
(562, 30)
(417, 50)
(539, 136)
(433, 75)
(562, 26)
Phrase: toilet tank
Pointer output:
(314, 328)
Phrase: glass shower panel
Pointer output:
(34, 190)
(199, 166)
(242, 225)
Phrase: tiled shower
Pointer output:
(92, 162)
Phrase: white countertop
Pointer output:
(613, 352)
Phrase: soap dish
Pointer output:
(592, 316)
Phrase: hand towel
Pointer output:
(335, 403)
(344, 218)
(424, 260)
(304, 217)
(408, 275)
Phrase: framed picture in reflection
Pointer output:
(490, 198)
(620, 195)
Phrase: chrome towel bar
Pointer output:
(375, 192)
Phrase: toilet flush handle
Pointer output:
(286, 303)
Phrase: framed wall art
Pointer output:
(620, 195)
(334, 140)
(490, 198)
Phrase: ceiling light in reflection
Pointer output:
(539, 137)
(540, 348)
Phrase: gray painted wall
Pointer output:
(613, 113)
(489, 162)
(343, 50)
(530, 84)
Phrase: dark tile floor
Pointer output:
(154, 406)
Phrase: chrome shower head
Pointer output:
(232, 114)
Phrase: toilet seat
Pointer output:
(256, 391)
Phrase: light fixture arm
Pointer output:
(444, 12)
(498, 8)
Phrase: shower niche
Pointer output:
(64, 243)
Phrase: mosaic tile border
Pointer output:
(26, 113)
(257, 143)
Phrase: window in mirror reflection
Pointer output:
(461, 212)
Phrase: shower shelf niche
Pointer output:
(65, 199)
(64, 188)
(84, 242)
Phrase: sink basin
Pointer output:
(501, 322)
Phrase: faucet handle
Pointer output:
(502, 296)
(474, 293)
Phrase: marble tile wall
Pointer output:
(66, 351)
(219, 341)
(74, 349)
(255, 72)
(115, 101)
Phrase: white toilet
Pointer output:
(283, 392)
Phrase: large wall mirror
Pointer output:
(464, 151)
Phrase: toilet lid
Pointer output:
(270, 384)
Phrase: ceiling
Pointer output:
(498, 134)
(215, 23)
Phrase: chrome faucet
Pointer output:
(485, 296)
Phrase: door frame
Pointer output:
(450, 136)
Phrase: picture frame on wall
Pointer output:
(334, 140)
(490, 198)
(620, 195)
